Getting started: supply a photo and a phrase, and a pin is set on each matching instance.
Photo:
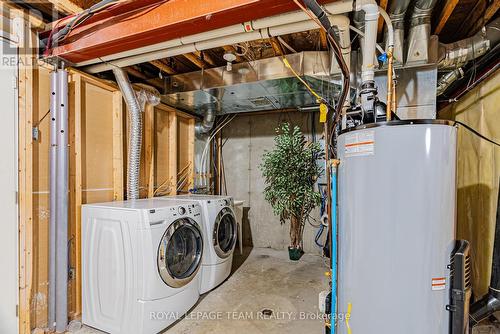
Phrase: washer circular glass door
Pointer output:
(180, 252)
(224, 234)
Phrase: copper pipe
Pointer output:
(390, 91)
(394, 101)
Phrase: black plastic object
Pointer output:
(490, 303)
(461, 288)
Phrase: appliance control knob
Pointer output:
(182, 210)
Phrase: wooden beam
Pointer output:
(172, 152)
(10, 10)
(200, 63)
(488, 14)
(27, 103)
(204, 55)
(149, 136)
(118, 162)
(162, 66)
(133, 71)
(278, 49)
(191, 153)
(323, 39)
(382, 4)
(77, 107)
(445, 14)
(66, 6)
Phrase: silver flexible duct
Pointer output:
(459, 53)
(208, 122)
(455, 55)
(446, 80)
(135, 133)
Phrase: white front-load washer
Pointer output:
(220, 233)
(140, 264)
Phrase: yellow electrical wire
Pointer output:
(316, 95)
(347, 317)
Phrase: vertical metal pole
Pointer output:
(62, 203)
(52, 191)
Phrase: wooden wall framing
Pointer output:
(168, 152)
(97, 140)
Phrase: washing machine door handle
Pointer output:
(225, 232)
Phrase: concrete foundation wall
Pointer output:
(246, 138)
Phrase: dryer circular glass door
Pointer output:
(225, 232)
(180, 252)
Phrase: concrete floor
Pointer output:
(262, 278)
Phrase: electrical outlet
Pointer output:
(35, 133)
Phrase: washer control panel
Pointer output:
(158, 216)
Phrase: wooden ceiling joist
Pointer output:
(139, 75)
(383, 4)
(162, 66)
(278, 49)
(323, 39)
(488, 14)
(203, 55)
(445, 14)
(200, 63)
(66, 6)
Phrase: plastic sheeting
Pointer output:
(478, 174)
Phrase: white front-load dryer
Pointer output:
(140, 264)
(220, 234)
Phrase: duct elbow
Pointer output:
(207, 124)
(460, 53)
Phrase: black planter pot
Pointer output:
(295, 253)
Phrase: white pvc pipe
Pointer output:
(370, 7)
(338, 7)
(204, 45)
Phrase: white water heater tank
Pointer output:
(396, 227)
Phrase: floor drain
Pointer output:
(267, 312)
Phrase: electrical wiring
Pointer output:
(204, 157)
(309, 88)
(340, 60)
(362, 34)
(467, 127)
(286, 45)
(77, 20)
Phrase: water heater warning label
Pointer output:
(438, 283)
(360, 143)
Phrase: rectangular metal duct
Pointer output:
(265, 84)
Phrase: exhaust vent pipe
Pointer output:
(420, 32)
(490, 303)
(455, 55)
(135, 133)
(397, 13)
(459, 53)
(207, 124)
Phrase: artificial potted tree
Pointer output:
(290, 172)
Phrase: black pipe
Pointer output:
(490, 303)
(319, 12)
